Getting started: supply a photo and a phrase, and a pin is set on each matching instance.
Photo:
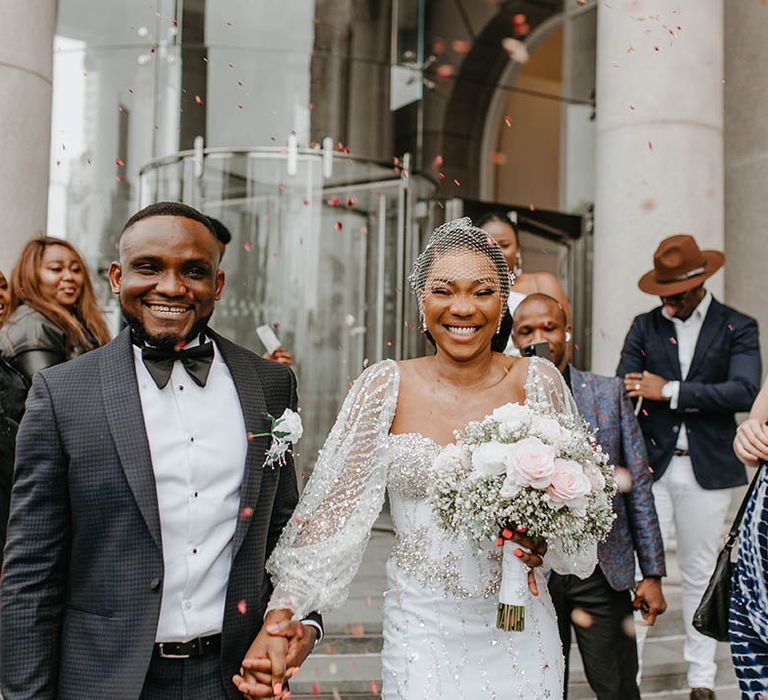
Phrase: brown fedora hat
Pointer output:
(679, 265)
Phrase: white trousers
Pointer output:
(698, 515)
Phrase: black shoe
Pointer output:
(702, 694)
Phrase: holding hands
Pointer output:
(275, 656)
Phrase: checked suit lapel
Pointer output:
(583, 396)
(122, 404)
(254, 407)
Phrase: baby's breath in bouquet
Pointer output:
(542, 473)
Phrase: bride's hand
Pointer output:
(532, 558)
(751, 442)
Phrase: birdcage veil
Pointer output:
(455, 236)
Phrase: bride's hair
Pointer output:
(457, 235)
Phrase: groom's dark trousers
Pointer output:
(608, 653)
(83, 576)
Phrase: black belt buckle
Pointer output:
(163, 655)
(187, 650)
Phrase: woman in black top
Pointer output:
(53, 311)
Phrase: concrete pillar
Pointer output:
(26, 61)
(659, 159)
(746, 161)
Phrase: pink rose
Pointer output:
(532, 463)
(569, 484)
(550, 430)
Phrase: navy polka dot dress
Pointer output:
(748, 624)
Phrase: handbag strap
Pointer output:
(734, 532)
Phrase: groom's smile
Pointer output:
(168, 278)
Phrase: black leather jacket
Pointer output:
(30, 342)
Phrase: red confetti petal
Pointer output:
(246, 513)
(444, 71)
(119, 163)
(198, 100)
(338, 226)
(334, 201)
(248, 246)
(242, 607)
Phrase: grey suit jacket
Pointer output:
(83, 572)
(604, 404)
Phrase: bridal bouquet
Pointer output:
(544, 474)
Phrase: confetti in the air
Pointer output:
(516, 49)
(198, 100)
(248, 246)
(242, 607)
(581, 618)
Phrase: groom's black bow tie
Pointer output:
(197, 361)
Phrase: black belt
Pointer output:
(681, 453)
(186, 650)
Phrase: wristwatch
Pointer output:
(667, 391)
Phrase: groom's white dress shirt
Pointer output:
(198, 443)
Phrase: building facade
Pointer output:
(331, 136)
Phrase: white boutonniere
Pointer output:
(285, 432)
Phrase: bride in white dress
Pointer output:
(440, 638)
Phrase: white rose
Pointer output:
(596, 478)
(532, 463)
(569, 484)
(511, 417)
(490, 459)
(550, 430)
(448, 457)
(289, 426)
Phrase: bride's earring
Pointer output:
(517, 270)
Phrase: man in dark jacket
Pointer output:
(143, 508)
(694, 363)
(601, 606)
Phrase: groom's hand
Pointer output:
(264, 672)
(301, 641)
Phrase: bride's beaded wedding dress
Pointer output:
(440, 638)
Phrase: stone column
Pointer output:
(659, 159)
(26, 61)
(746, 161)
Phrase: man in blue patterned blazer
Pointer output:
(142, 509)
(601, 606)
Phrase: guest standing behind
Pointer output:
(13, 390)
(5, 298)
(609, 654)
(53, 311)
(748, 624)
(502, 227)
(52, 316)
(695, 362)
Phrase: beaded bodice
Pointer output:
(448, 565)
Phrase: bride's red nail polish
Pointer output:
(500, 542)
(506, 533)
(518, 552)
(520, 528)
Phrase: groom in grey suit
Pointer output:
(142, 509)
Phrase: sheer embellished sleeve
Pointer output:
(322, 546)
(547, 393)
